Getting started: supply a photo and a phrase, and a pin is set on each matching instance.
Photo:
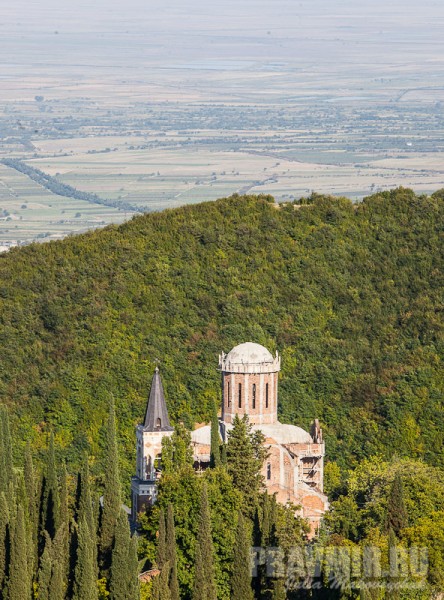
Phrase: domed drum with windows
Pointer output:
(250, 383)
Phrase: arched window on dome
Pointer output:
(253, 396)
(268, 471)
(159, 423)
(240, 395)
(266, 395)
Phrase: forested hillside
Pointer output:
(352, 296)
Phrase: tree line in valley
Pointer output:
(55, 186)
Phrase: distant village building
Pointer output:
(294, 468)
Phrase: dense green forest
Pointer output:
(352, 297)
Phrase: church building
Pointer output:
(294, 467)
(155, 427)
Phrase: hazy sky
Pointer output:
(100, 14)
(107, 37)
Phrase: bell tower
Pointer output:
(149, 437)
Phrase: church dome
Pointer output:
(249, 358)
(249, 353)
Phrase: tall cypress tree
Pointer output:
(171, 553)
(204, 572)
(215, 459)
(64, 522)
(133, 569)
(30, 483)
(161, 556)
(45, 570)
(223, 454)
(245, 456)
(19, 587)
(111, 495)
(85, 582)
(4, 540)
(51, 502)
(32, 501)
(60, 563)
(397, 517)
(279, 592)
(121, 575)
(64, 509)
(241, 574)
(6, 464)
(57, 589)
(161, 588)
(392, 589)
(85, 508)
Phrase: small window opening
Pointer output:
(254, 396)
(266, 395)
(228, 394)
(268, 471)
(240, 395)
(159, 423)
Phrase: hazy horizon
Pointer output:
(112, 34)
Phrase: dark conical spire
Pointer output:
(156, 416)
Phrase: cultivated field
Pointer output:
(29, 212)
(170, 104)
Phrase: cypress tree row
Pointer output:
(204, 583)
(43, 546)
(111, 495)
(241, 576)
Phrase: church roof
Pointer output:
(249, 353)
(156, 416)
(279, 432)
(249, 357)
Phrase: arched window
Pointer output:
(240, 395)
(266, 395)
(228, 394)
(268, 471)
(253, 396)
(159, 423)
